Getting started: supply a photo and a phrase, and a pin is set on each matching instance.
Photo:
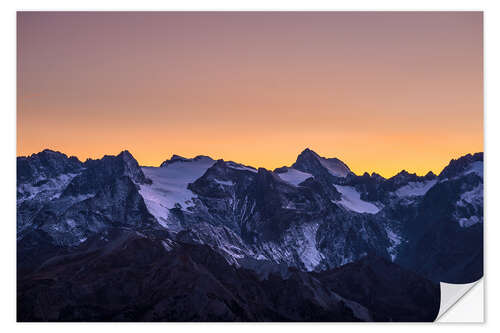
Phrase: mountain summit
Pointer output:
(309, 161)
(176, 158)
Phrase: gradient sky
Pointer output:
(381, 91)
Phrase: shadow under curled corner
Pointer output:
(455, 302)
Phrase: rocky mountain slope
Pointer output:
(315, 222)
(147, 277)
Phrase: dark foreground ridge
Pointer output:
(133, 277)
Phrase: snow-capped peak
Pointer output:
(177, 158)
(170, 185)
(308, 160)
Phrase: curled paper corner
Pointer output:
(451, 302)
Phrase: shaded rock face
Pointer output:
(456, 167)
(132, 277)
(101, 194)
(309, 161)
(274, 220)
(306, 226)
(345, 238)
(251, 203)
(98, 173)
(376, 188)
(252, 234)
(47, 164)
(445, 237)
(373, 281)
(118, 203)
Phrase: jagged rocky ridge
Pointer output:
(315, 217)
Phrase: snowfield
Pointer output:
(294, 176)
(351, 199)
(170, 186)
(414, 189)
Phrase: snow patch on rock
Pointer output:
(237, 166)
(395, 241)
(475, 167)
(351, 200)
(473, 197)
(415, 189)
(309, 253)
(167, 244)
(224, 182)
(49, 189)
(298, 242)
(294, 176)
(466, 222)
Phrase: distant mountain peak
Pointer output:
(404, 173)
(126, 156)
(46, 153)
(377, 176)
(45, 164)
(132, 168)
(463, 164)
(403, 177)
(177, 158)
(309, 161)
(173, 159)
(430, 175)
(50, 151)
(202, 157)
(308, 152)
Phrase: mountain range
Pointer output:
(198, 239)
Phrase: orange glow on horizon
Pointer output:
(380, 91)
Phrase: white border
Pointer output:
(8, 139)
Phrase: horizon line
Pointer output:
(256, 168)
